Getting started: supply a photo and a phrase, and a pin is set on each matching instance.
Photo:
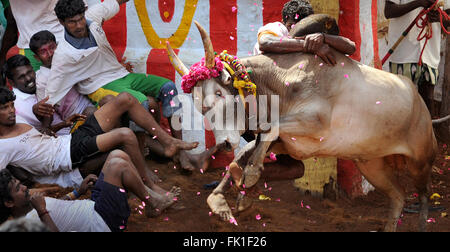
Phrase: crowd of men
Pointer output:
(76, 117)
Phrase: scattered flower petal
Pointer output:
(258, 217)
(273, 156)
(434, 195)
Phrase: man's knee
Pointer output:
(126, 135)
(115, 165)
(118, 154)
(125, 99)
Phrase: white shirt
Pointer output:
(39, 154)
(409, 49)
(91, 68)
(24, 108)
(73, 215)
(35, 15)
(276, 28)
(72, 103)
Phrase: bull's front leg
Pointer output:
(217, 203)
(255, 164)
(216, 199)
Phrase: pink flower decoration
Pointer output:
(198, 72)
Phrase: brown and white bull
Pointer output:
(349, 111)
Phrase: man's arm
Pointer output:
(9, 38)
(392, 10)
(38, 203)
(88, 183)
(271, 43)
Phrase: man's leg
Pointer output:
(111, 112)
(119, 171)
(126, 139)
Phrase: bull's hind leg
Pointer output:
(421, 175)
(382, 177)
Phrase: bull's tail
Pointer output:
(440, 120)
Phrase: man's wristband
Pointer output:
(73, 195)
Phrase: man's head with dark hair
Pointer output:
(19, 70)
(43, 44)
(5, 194)
(7, 109)
(294, 11)
(6, 95)
(13, 195)
(71, 15)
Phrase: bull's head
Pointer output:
(213, 94)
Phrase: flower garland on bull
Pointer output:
(199, 72)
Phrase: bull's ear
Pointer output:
(225, 76)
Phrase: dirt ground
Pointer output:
(287, 210)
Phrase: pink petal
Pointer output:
(122, 190)
(287, 84)
(293, 138)
(231, 37)
(301, 66)
(172, 103)
(273, 156)
(233, 9)
(378, 102)
(258, 217)
(321, 139)
(346, 76)
(212, 156)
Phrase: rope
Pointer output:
(424, 23)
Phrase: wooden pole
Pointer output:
(443, 130)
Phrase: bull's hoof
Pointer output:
(243, 203)
(219, 206)
(252, 173)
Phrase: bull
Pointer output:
(349, 111)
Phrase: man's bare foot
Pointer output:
(176, 145)
(160, 200)
(202, 160)
(185, 161)
(157, 208)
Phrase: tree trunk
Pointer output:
(443, 130)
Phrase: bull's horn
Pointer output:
(176, 62)
(207, 44)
